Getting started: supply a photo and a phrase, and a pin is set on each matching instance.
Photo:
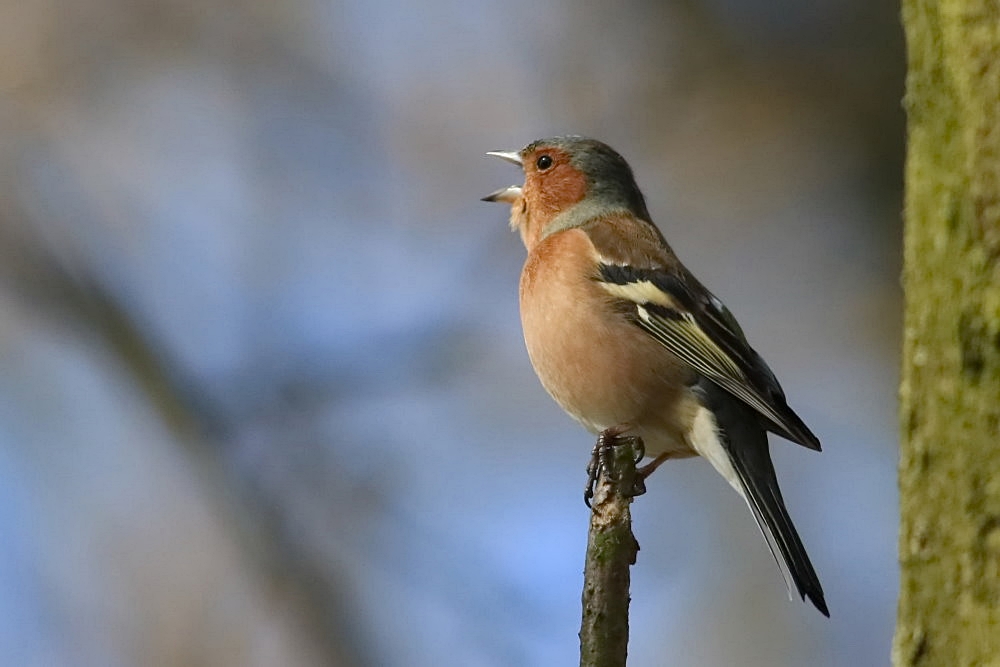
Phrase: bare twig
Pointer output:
(611, 550)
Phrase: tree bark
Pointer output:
(949, 476)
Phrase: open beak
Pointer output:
(508, 194)
(509, 156)
(511, 193)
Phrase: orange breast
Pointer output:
(600, 367)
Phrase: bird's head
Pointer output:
(567, 181)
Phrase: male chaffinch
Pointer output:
(629, 343)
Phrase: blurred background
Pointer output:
(264, 399)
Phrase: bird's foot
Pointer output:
(599, 456)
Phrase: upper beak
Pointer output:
(508, 194)
(509, 156)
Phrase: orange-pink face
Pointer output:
(552, 183)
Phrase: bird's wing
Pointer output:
(671, 305)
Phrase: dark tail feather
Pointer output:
(760, 484)
(745, 441)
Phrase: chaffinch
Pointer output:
(628, 341)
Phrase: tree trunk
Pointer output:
(949, 476)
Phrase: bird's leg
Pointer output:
(642, 472)
(648, 469)
(612, 437)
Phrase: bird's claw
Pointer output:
(593, 470)
(608, 439)
(639, 446)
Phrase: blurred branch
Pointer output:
(611, 551)
(308, 585)
(53, 284)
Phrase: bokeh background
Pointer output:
(264, 399)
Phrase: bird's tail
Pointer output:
(746, 463)
(760, 488)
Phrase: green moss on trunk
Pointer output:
(949, 607)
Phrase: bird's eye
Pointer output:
(543, 162)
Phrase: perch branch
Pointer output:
(611, 550)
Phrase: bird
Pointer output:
(629, 343)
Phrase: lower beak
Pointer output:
(509, 194)
(509, 156)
